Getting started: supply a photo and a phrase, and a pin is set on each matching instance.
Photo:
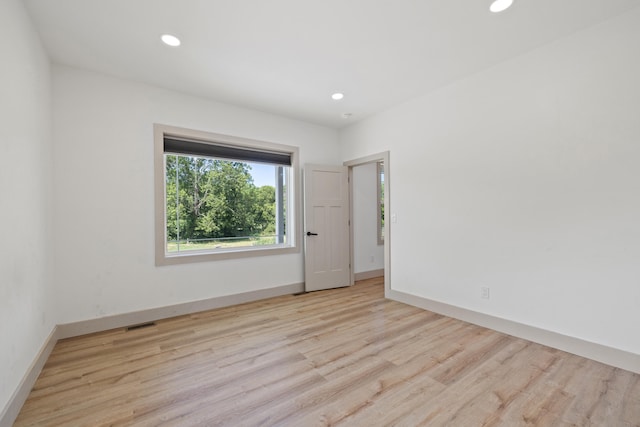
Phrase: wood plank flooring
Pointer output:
(343, 357)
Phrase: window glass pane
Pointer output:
(214, 204)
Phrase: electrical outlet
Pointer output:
(484, 292)
(373, 258)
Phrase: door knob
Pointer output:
(311, 234)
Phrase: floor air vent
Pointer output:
(140, 326)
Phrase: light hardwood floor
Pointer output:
(340, 357)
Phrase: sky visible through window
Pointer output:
(262, 174)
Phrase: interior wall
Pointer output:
(367, 254)
(103, 130)
(524, 178)
(26, 312)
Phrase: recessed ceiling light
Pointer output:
(337, 96)
(170, 40)
(500, 5)
(347, 115)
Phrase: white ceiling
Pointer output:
(288, 56)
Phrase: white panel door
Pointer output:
(326, 220)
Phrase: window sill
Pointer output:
(204, 256)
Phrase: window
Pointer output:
(380, 210)
(220, 197)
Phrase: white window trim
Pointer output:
(161, 256)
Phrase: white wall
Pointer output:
(103, 130)
(365, 220)
(524, 178)
(26, 313)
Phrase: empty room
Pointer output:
(297, 213)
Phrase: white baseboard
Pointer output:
(364, 275)
(83, 327)
(12, 409)
(598, 352)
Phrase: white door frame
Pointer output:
(384, 156)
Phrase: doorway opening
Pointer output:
(370, 240)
